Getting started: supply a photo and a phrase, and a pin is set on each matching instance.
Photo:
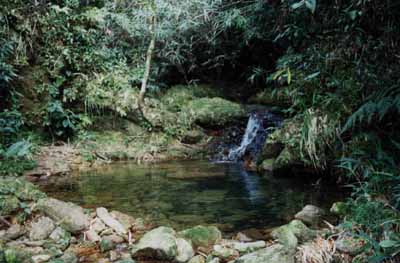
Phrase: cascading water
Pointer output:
(258, 128)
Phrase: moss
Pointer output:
(178, 96)
(8, 205)
(201, 236)
(214, 112)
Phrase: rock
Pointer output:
(140, 225)
(349, 244)
(339, 208)
(41, 229)
(271, 150)
(126, 261)
(292, 233)
(8, 205)
(225, 253)
(213, 111)
(249, 247)
(310, 215)
(274, 254)
(97, 225)
(14, 232)
(114, 238)
(184, 250)
(107, 219)
(106, 245)
(92, 236)
(114, 256)
(214, 260)
(197, 259)
(41, 258)
(126, 220)
(69, 257)
(159, 243)
(70, 216)
(202, 236)
(61, 237)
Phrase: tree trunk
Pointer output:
(149, 56)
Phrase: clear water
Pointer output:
(184, 194)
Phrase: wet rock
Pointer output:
(271, 150)
(202, 236)
(197, 259)
(249, 247)
(41, 258)
(225, 253)
(126, 220)
(291, 234)
(41, 229)
(339, 208)
(310, 215)
(274, 254)
(159, 243)
(70, 216)
(184, 250)
(107, 219)
(92, 236)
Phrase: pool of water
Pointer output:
(184, 194)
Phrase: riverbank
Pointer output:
(36, 228)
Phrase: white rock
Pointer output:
(185, 250)
(103, 214)
(92, 236)
(41, 229)
(97, 225)
(249, 247)
(41, 258)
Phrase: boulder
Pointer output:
(202, 236)
(271, 150)
(291, 234)
(41, 258)
(97, 225)
(106, 245)
(310, 215)
(274, 254)
(41, 229)
(185, 250)
(61, 237)
(69, 257)
(349, 244)
(159, 243)
(268, 165)
(193, 137)
(110, 221)
(70, 216)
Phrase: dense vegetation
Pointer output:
(331, 67)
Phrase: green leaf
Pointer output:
(389, 243)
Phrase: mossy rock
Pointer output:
(268, 165)
(180, 95)
(202, 236)
(211, 112)
(291, 234)
(8, 205)
(20, 188)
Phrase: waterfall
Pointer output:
(253, 129)
(258, 128)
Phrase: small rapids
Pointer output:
(259, 126)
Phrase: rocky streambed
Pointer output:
(36, 228)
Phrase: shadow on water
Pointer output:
(183, 194)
